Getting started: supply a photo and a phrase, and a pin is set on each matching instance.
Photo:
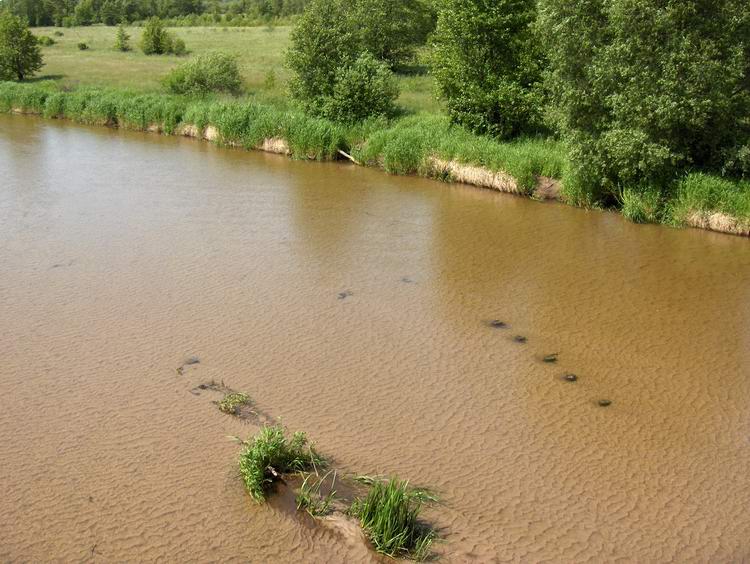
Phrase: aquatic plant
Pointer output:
(389, 515)
(310, 497)
(270, 454)
(231, 402)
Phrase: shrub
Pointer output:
(270, 454)
(331, 34)
(389, 514)
(58, 33)
(83, 46)
(366, 88)
(644, 90)
(156, 40)
(178, 47)
(122, 39)
(211, 72)
(45, 41)
(20, 56)
(488, 67)
(641, 206)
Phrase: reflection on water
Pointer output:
(122, 253)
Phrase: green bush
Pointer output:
(45, 41)
(122, 39)
(644, 90)
(332, 34)
(178, 47)
(270, 454)
(83, 46)
(210, 72)
(366, 88)
(487, 65)
(20, 56)
(156, 40)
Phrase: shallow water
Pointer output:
(123, 253)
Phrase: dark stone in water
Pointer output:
(570, 377)
(550, 357)
(344, 295)
(407, 280)
(497, 324)
(520, 339)
(192, 360)
(604, 403)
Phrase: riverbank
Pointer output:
(425, 145)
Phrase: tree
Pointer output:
(85, 13)
(332, 34)
(487, 65)
(322, 42)
(155, 40)
(122, 39)
(645, 89)
(20, 56)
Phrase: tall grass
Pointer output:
(270, 454)
(389, 514)
(406, 147)
(706, 193)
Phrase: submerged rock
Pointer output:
(497, 324)
(192, 360)
(344, 295)
(520, 339)
(570, 377)
(550, 357)
(604, 403)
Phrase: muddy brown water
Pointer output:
(125, 253)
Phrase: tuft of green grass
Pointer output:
(707, 193)
(231, 402)
(310, 497)
(270, 454)
(644, 206)
(389, 515)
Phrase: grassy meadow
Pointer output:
(260, 52)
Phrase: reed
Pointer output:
(389, 514)
(270, 454)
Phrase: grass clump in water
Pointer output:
(389, 514)
(270, 454)
(231, 402)
(310, 497)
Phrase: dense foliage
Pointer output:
(206, 73)
(366, 88)
(488, 65)
(646, 89)
(20, 56)
(156, 40)
(112, 12)
(332, 35)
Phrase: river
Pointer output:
(355, 306)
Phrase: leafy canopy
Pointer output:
(20, 56)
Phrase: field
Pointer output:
(260, 52)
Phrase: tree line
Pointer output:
(112, 12)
